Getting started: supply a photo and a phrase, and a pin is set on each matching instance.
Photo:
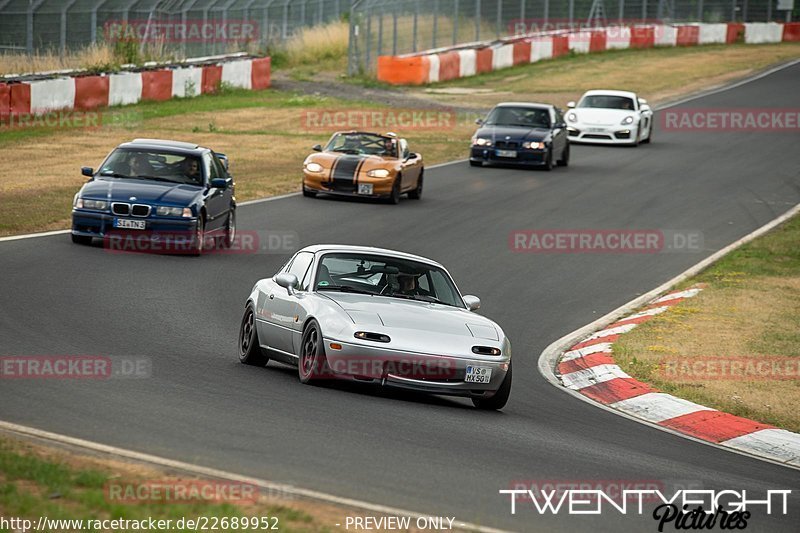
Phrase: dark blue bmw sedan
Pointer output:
(158, 189)
(521, 134)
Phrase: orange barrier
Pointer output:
(157, 85)
(791, 32)
(560, 45)
(260, 73)
(483, 60)
(403, 70)
(20, 99)
(643, 37)
(735, 33)
(522, 52)
(597, 41)
(91, 92)
(687, 35)
(449, 66)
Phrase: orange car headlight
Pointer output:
(314, 167)
(378, 173)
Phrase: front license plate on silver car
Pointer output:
(478, 374)
(506, 153)
(364, 188)
(126, 223)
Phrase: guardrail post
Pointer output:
(477, 20)
(455, 22)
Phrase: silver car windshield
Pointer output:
(386, 276)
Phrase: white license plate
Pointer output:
(364, 188)
(126, 223)
(478, 374)
(596, 130)
(506, 153)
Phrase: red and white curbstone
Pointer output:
(588, 367)
(80, 92)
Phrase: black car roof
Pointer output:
(161, 144)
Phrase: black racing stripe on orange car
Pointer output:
(345, 168)
(358, 170)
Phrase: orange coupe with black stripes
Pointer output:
(369, 165)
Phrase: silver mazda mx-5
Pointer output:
(376, 316)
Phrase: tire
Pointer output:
(250, 352)
(548, 164)
(199, 238)
(312, 366)
(649, 136)
(394, 197)
(564, 161)
(476, 163)
(499, 400)
(230, 229)
(81, 239)
(309, 194)
(416, 194)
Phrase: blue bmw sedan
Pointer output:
(156, 188)
(521, 134)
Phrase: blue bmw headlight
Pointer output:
(95, 205)
(166, 211)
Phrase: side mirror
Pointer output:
(571, 105)
(219, 183)
(561, 125)
(317, 147)
(287, 281)
(473, 303)
(87, 171)
(479, 121)
(412, 155)
(223, 159)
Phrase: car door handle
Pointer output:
(271, 296)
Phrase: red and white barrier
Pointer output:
(124, 88)
(431, 67)
(589, 368)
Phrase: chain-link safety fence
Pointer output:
(380, 27)
(191, 27)
(377, 27)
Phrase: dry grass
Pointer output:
(319, 43)
(657, 74)
(92, 58)
(79, 477)
(749, 312)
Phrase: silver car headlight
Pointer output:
(85, 203)
(572, 117)
(166, 211)
(482, 142)
(314, 167)
(626, 121)
(378, 173)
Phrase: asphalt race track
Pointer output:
(428, 454)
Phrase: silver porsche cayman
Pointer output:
(376, 316)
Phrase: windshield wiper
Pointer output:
(343, 288)
(109, 174)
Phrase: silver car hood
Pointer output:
(420, 326)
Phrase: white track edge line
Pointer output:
(549, 357)
(221, 474)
